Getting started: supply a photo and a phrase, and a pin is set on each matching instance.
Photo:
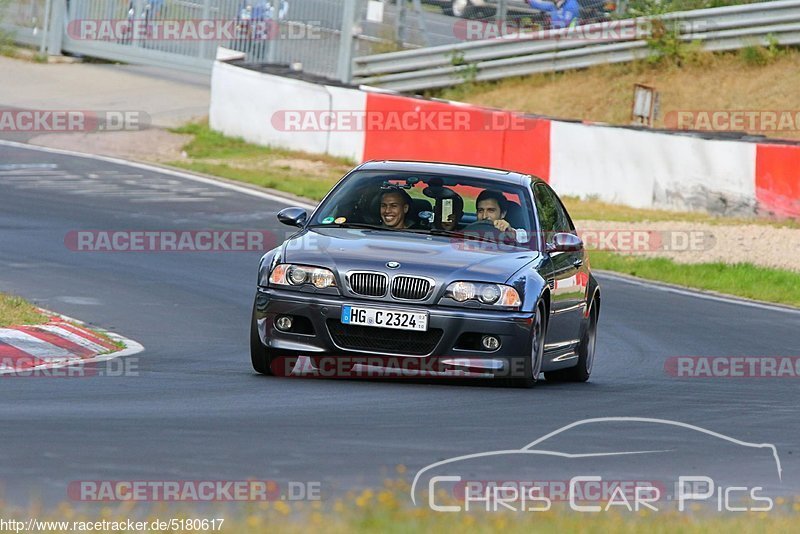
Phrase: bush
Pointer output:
(755, 56)
(758, 56)
(666, 45)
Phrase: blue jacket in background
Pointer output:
(560, 17)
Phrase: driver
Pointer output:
(491, 206)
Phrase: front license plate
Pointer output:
(400, 320)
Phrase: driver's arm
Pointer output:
(520, 235)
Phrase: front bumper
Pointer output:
(441, 347)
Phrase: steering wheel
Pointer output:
(483, 224)
(482, 228)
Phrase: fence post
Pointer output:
(275, 25)
(206, 15)
(55, 30)
(345, 65)
(400, 24)
(501, 15)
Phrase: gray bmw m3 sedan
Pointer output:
(441, 267)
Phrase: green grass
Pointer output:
(16, 311)
(742, 280)
(597, 210)
(298, 173)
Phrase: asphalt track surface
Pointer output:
(195, 410)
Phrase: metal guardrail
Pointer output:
(717, 29)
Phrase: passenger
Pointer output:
(394, 207)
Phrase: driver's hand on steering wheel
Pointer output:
(501, 224)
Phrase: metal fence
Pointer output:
(305, 32)
(317, 36)
(523, 53)
(185, 34)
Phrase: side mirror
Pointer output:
(293, 216)
(565, 242)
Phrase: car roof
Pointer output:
(467, 171)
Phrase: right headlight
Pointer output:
(490, 294)
(287, 274)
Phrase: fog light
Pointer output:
(283, 323)
(490, 342)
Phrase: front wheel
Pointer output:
(532, 367)
(266, 361)
(260, 356)
(586, 349)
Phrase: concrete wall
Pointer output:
(258, 107)
(645, 169)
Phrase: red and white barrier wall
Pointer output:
(639, 168)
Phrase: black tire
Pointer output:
(265, 360)
(532, 367)
(586, 351)
(260, 356)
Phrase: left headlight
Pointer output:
(287, 274)
(490, 294)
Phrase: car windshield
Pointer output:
(441, 204)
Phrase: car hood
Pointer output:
(443, 258)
